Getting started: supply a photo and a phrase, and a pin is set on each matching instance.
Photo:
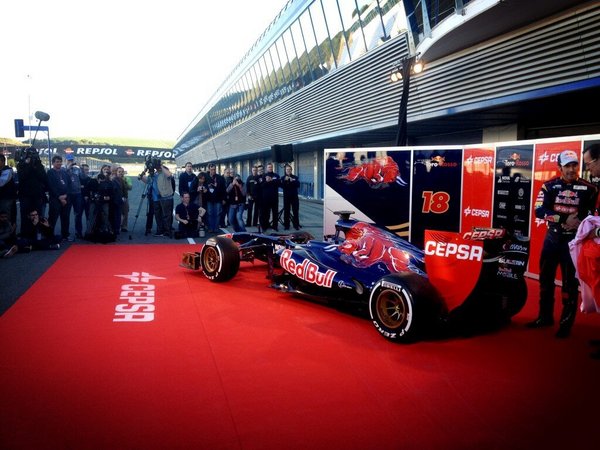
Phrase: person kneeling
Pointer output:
(37, 234)
(187, 216)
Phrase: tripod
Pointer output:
(144, 195)
(281, 217)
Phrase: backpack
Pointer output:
(165, 188)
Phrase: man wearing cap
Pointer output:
(75, 194)
(563, 202)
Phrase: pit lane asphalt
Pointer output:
(19, 272)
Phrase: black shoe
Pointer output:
(563, 332)
(10, 252)
(540, 323)
(297, 227)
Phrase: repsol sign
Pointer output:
(105, 151)
(121, 151)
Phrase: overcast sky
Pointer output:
(121, 68)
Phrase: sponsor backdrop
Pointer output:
(113, 152)
(478, 182)
(451, 188)
(436, 196)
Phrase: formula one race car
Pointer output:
(457, 283)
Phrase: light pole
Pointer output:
(20, 129)
(402, 71)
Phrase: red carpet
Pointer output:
(240, 366)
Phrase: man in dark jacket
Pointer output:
(215, 197)
(58, 185)
(188, 182)
(269, 204)
(291, 203)
(251, 193)
(33, 185)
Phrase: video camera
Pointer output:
(151, 165)
(31, 153)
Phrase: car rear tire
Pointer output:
(220, 259)
(402, 305)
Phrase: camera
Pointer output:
(151, 165)
(31, 153)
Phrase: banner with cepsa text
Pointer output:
(478, 183)
(448, 188)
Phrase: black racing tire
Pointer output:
(402, 306)
(220, 259)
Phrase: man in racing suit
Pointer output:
(562, 202)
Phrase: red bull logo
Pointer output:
(306, 270)
(377, 173)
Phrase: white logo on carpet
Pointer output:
(140, 298)
(137, 277)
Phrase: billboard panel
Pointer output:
(478, 183)
(436, 192)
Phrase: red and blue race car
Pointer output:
(457, 283)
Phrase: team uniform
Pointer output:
(556, 201)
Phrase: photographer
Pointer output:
(37, 234)
(186, 214)
(33, 184)
(163, 186)
(102, 192)
(236, 196)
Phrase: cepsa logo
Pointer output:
(453, 250)
(479, 160)
(468, 211)
(140, 297)
(306, 270)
